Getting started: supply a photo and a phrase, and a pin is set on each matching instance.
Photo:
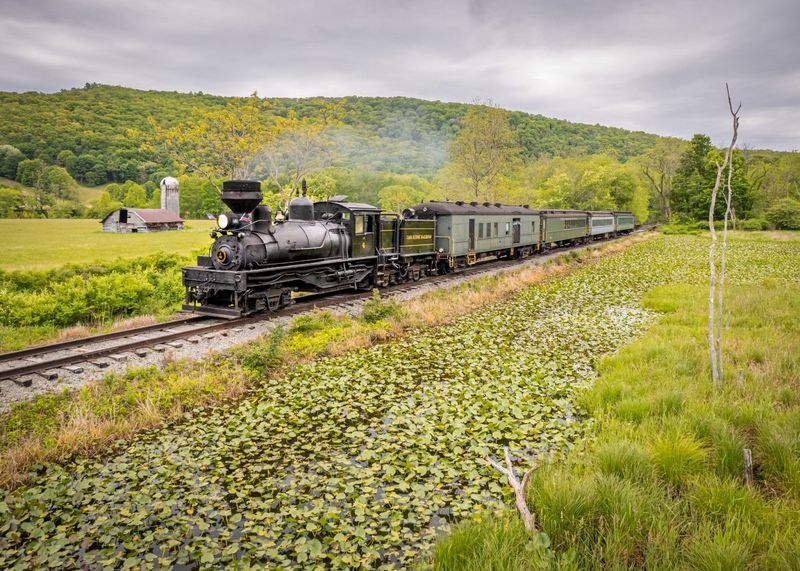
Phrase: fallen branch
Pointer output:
(518, 487)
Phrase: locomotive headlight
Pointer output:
(223, 221)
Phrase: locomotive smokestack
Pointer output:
(241, 196)
(305, 188)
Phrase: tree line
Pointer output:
(389, 151)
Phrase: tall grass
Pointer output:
(662, 486)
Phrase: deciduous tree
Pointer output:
(298, 147)
(10, 157)
(216, 143)
(659, 166)
(103, 206)
(395, 197)
(785, 214)
(484, 149)
(695, 178)
(58, 182)
(135, 196)
(31, 173)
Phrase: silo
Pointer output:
(169, 195)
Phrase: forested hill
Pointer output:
(398, 134)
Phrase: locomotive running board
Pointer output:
(223, 312)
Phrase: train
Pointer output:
(257, 262)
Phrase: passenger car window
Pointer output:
(508, 228)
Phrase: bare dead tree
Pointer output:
(519, 487)
(715, 314)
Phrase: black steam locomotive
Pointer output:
(256, 263)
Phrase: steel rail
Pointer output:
(99, 338)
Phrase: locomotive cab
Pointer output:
(362, 222)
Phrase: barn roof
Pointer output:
(150, 215)
(156, 215)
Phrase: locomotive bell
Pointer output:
(241, 196)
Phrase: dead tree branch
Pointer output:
(518, 486)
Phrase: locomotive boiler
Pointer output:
(245, 242)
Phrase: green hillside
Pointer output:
(398, 134)
(389, 151)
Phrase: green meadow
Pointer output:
(661, 481)
(41, 244)
(68, 277)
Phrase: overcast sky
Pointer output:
(657, 66)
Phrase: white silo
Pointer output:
(169, 195)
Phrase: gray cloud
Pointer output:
(644, 65)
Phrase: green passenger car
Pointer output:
(624, 222)
(564, 226)
(468, 231)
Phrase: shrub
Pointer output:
(261, 357)
(785, 214)
(753, 225)
(312, 322)
(670, 229)
(377, 309)
(313, 333)
(76, 294)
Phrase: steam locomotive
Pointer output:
(257, 262)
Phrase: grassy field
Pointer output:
(662, 484)
(86, 194)
(37, 244)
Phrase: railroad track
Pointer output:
(99, 351)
